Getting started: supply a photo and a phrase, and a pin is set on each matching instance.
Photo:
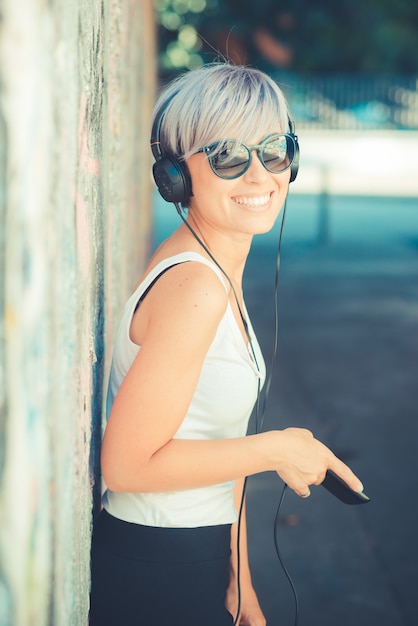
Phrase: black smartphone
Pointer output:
(342, 491)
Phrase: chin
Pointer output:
(263, 231)
(265, 226)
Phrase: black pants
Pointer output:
(146, 576)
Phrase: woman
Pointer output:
(187, 370)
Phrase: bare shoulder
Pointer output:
(188, 297)
(191, 285)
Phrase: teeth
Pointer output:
(259, 201)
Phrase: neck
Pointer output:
(229, 255)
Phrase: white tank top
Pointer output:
(220, 409)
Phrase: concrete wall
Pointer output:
(77, 85)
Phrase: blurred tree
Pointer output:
(305, 36)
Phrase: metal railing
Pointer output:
(353, 102)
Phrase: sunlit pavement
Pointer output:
(347, 369)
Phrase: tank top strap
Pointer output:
(164, 265)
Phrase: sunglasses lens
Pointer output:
(277, 153)
(231, 161)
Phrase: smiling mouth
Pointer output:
(257, 201)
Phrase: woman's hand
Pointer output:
(250, 613)
(304, 461)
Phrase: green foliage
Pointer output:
(305, 36)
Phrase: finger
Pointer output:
(346, 474)
(302, 491)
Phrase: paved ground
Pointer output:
(347, 368)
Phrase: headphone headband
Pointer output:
(156, 128)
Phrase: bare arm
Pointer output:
(139, 453)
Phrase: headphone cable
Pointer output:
(260, 407)
(247, 332)
(266, 393)
(279, 556)
(276, 320)
(209, 253)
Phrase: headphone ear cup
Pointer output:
(295, 165)
(172, 179)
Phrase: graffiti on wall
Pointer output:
(74, 230)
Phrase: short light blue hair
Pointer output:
(219, 101)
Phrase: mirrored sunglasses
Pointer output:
(230, 158)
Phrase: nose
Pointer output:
(256, 171)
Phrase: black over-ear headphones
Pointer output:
(294, 168)
(172, 176)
